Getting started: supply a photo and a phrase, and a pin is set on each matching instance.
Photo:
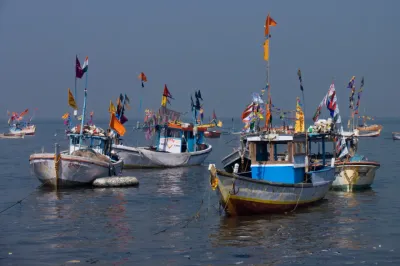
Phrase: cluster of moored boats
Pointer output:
(273, 169)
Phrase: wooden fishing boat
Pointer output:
(89, 155)
(212, 134)
(79, 165)
(12, 136)
(277, 181)
(178, 143)
(396, 135)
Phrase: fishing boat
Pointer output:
(396, 135)
(213, 123)
(214, 134)
(12, 136)
(19, 127)
(88, 157)
(353, 171)
(177, 143)
(279, 179)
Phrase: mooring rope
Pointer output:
(20, 201)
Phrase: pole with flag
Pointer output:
(84, 70)
(269, 22)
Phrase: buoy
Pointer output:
(116, 181)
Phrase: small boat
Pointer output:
(17, 126)
(178, 144)
(371, 134)
(365, 127)
(89, 155)
(22, 128)
(355, 171)
(212, 134)
(396, 135)
(278, 181)
(12, 136)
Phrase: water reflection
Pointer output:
(170, 180)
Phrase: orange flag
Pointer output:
(117, 126)
(269, 22)
(143, 78)
(266, 50)
(71, 100)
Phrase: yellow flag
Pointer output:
(112, 109)
(65, 116)
(299, 124)
(266, 50)
(164, 101)
(117, 126)
(71, 100)
(219, 124)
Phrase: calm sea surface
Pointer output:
(152, 224)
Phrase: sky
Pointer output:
(214, 46)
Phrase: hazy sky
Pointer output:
(215, 46)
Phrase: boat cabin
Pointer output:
(99, 144)
(281, 158)
(178, 138)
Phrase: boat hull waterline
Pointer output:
(72, 170)
(246, 196)
(142, 157)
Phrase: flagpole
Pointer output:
(84, 110)
(75, 96)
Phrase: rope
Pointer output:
(20, 201)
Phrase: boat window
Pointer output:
(299, 148)
(281, 152)
(262, 154)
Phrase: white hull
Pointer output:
(350, 177)
(396, 135)
(141, 157)
(72, 170)
(29, 130)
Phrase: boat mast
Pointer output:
(83, 111)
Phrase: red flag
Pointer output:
(166, 92)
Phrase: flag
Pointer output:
(351, 86)
(166, 95)
(266, 50)
(142, 78)
(78, 69)
(219, 124)
(116, 125)
(65, 116)
(111, 108)
(85, 65)
(24, 113)
(247, 112)
(359, 96)
(299, 124)
(331, 104)
(341, 147)
(301, 81)
(71, 100)
(269, 22)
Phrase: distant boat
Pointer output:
(17, 126)
(12, 136)
(396, 135)
(212, 134)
